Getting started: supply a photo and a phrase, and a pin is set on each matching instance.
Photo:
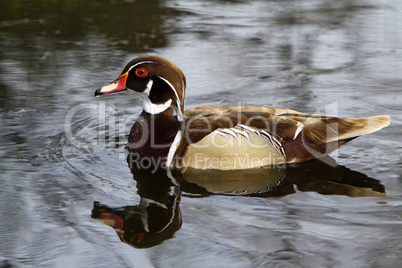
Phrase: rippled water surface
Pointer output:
(62, 149)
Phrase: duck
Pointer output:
(222, 137)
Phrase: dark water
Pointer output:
(61, 149)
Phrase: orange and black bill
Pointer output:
(117, 85)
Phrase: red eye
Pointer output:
(141, 72)
(137, 238)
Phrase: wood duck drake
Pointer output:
(223, 137)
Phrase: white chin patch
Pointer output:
(150, 107)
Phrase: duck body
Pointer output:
(223, 137)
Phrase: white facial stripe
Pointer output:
(138, 63)
(180, 115)
(174, 90)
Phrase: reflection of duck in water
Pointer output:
(222, 137)
(154, 220)
(311, 176)
(158, 216)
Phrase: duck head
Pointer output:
(159, 82)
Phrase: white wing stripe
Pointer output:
(228, 131)
(273, 140)
(234, 132)
(247, 128)
(298, 130)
